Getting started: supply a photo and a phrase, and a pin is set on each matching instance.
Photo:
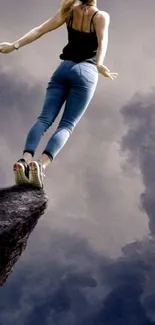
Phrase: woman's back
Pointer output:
(82, 16)
(82, 40)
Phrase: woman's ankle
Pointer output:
(45, 160)
(27, 157)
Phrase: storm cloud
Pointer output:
(70, 272)
(75, 284)
(139, 143)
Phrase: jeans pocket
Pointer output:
(88, 72)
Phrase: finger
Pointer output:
(114, 77)
(114, 74)
(110, 76)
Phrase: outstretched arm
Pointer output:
(55, 22)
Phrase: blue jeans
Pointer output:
(73, 83)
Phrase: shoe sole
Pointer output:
(19, 173)
(35, 174)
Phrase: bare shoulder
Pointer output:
(103, 16)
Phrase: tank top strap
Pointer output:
(91, 22)
(70, 20)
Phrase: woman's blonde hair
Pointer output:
(66, 7)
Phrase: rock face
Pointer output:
(20, 209)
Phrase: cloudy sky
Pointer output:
(95, 185)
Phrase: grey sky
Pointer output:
(89, 193)
(100, 187)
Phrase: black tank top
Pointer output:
(82, 46)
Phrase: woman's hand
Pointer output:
(6, 47)
(106, 72)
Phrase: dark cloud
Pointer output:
(72, 284)
(139, 143)
(76, 285)
(66, 282)
(60, 291)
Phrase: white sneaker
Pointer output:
(21, 172)
(37, 173)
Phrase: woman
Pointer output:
(74, 81)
